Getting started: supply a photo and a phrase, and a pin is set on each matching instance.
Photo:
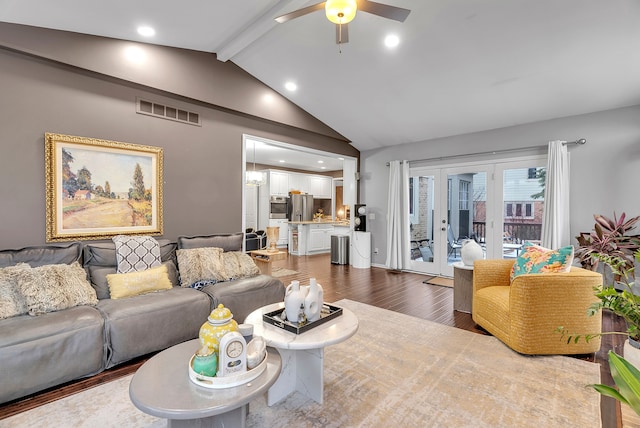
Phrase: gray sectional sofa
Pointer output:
(43, 351)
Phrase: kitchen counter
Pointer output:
(332, 222)
(314, 237)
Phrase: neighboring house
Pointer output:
(82, 194)
(521, 212)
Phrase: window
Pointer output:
(414, 199)
(463, 194)
(519, 209)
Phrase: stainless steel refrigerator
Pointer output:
(300, 207)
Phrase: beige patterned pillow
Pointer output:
(239, 265)
(55, 287)
(201, 264)
(12, 302)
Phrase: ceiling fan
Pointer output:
(341, 12)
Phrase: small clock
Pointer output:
(232, 356)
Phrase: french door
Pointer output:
(493, 203)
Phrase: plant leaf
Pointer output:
(627, 378)
(609, 392)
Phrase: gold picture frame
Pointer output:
(96, 189)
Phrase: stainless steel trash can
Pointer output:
(340, 249)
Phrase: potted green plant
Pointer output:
(627, 305)
(623, 303)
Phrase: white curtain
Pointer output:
(398, 215)
(555, 217)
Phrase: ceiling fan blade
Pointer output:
(384, 10)
(300, 12)
(342, 34)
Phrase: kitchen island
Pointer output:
(314, 237)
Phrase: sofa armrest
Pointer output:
(540, 303)
(541, 293)
(492, 272)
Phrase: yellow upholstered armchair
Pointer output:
(525, 313)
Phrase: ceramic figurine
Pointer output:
(313, 301)
(293, 298)
(302, 318)
(219, 323)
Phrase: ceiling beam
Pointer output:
(248, 34)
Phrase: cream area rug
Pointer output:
(278, 272)
(397, 371)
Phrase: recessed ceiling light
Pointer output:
(290, 86)
(146, 31)
(282, 161)
(320, 161)
(391, 41)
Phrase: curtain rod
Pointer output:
(579, 142)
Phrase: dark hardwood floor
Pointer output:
(397, 291)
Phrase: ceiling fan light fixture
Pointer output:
(341, 11)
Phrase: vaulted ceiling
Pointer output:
(461, 65)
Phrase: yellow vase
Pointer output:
(219, 323)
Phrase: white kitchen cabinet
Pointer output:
(279, 183)
(320, 187)
(341, 230)
(319, 238)
(299, 182)
(283, 233)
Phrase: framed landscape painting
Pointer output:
(96, 189)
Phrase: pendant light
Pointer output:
(340, 11)
(254, 178)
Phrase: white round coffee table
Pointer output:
(302, 354)
(161, 387)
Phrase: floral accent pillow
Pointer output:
(536, 259)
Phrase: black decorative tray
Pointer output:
(274, 318)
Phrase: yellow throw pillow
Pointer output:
(134, 283)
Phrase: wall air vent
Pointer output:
(166, 112)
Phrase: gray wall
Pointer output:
(202, 165)
(604, 172)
